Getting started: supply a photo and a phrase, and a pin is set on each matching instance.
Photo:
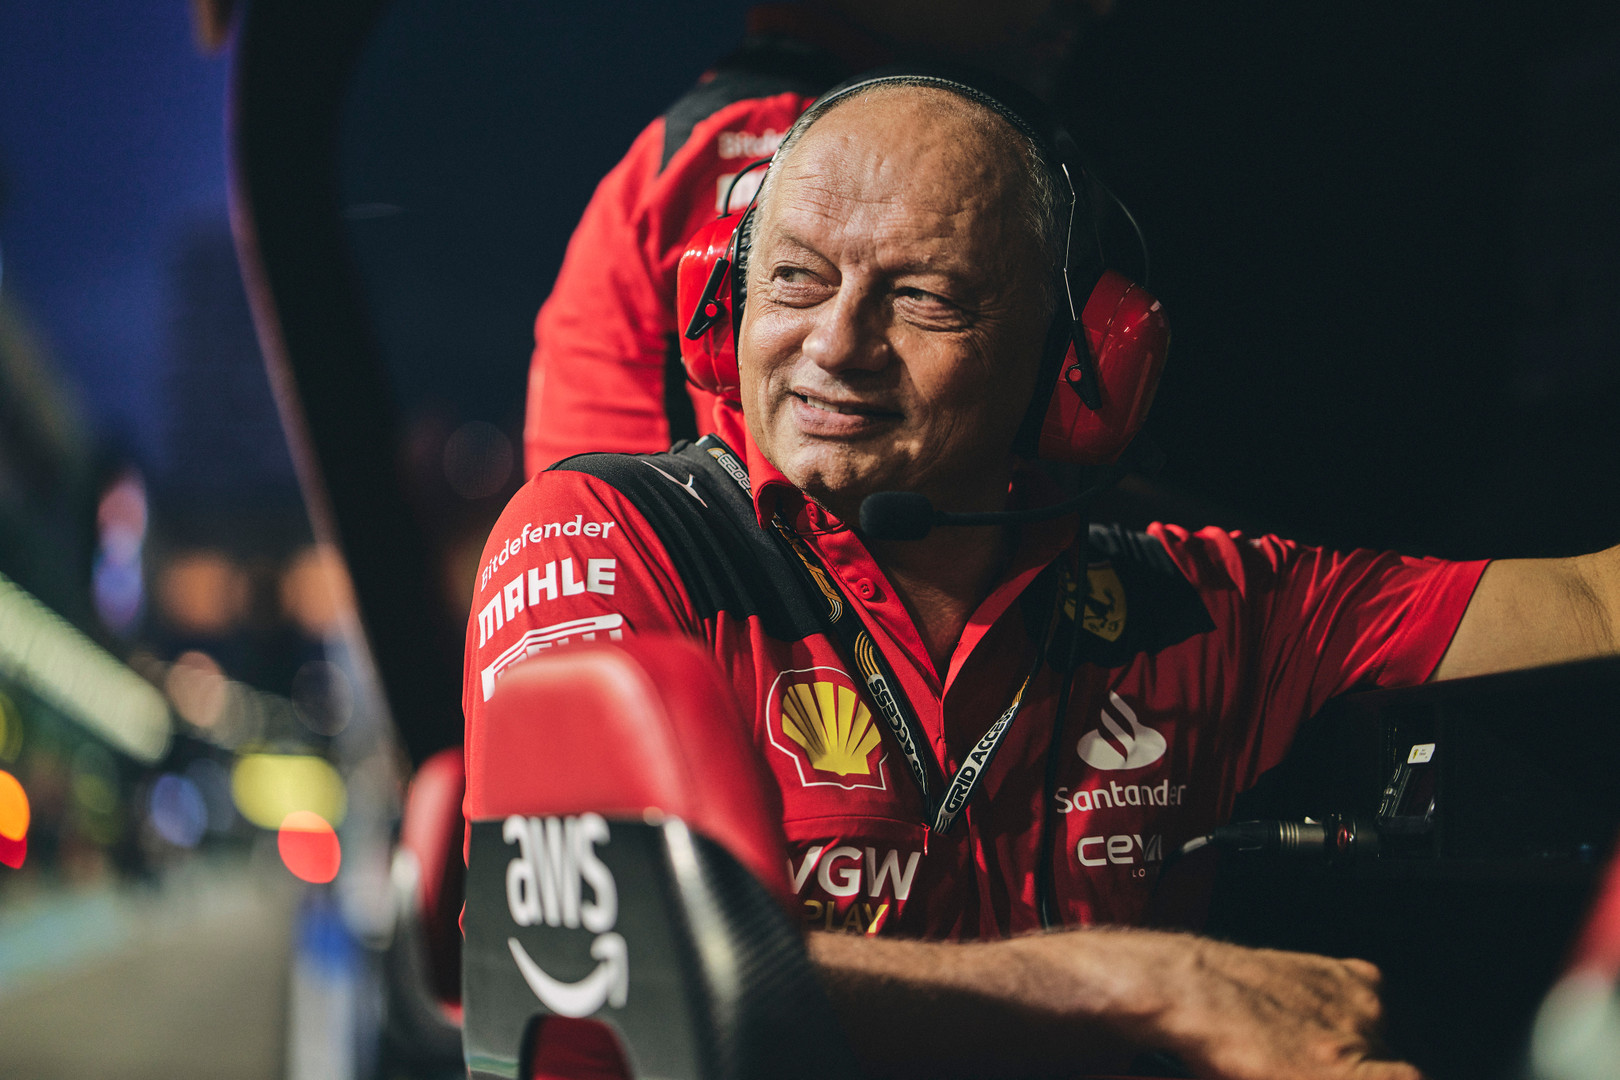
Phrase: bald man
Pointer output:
(903, 289)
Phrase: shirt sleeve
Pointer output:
(604, 337)
(569, 560)
(1297, 625)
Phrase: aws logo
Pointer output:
(556, 862)
(1120, 740)
(816, 717)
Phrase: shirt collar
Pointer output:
(772, 491)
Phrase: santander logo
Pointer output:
(1120, 741)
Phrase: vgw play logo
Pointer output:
(546, 883)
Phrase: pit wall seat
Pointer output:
(627, 907)
(423, 958)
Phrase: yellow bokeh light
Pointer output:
(268, 787)
(13, 808)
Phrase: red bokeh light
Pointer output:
(309, 847)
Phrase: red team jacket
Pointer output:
(1202, 653)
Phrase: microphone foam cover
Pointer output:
(896, 515)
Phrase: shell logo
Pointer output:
(817, 718)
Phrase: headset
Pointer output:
(1102, 359)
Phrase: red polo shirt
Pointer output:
(1204, 652)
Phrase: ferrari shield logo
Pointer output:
(1105, 603)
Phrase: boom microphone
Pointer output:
(908, 515)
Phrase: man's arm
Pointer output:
(1055, 1004)
(1530, 612)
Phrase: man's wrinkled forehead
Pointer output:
(922, 150)
(909, 122)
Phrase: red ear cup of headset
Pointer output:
(1128, 336)
(703, 294)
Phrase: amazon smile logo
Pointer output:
(546, 883)
(1120, 740)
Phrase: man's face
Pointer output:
(895, 317)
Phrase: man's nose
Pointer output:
(848, 335)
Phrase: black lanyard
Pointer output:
(940, 811)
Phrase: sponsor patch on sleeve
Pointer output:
(588, 628)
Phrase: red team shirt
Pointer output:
(1204, 652)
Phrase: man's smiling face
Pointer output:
(895, 309)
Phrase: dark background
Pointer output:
(1388, 241)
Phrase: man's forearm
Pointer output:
(981, 1009)
(1064, 1003)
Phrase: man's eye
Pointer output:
(929, 308)
(795, 285)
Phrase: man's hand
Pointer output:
(1059, 1004)
(1227, 1011)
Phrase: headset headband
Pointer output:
(1054, 148)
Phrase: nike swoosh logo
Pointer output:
(609, 984)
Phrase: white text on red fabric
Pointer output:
(559, 578)
(533, 534)
(843, 870)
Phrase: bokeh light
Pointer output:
(11, 729)
(268, 787)
(94, 780)
(322, 697)
(14, 816)
(197, 688)
(214, 785)
(203, 592)
(121, 516)
(117, 583)
(316, 592)
(177, 810)
(309, 847)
